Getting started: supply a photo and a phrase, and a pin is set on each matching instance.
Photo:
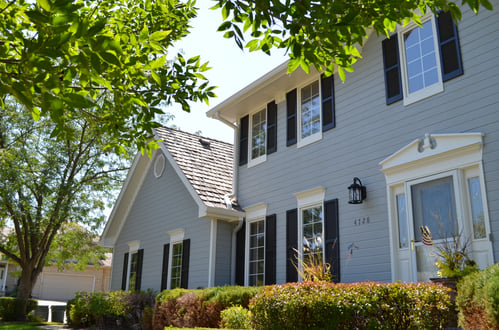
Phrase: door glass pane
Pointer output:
(434, 206)
(402, 217)
(477, 214)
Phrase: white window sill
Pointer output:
(309, 140)
(257, 161)
(423, 94)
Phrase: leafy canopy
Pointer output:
(322, 33)
(105, 62)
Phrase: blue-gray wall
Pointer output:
(162, 205)
(367, 131)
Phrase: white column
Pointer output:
(213, 253)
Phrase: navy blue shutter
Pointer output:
(240, 255)
(328, 111)
(164, 273)
(291, 245)
(125, 272)
(270, 250)
(243, 140)
(140, 259)
(450, 53)
(391, 63)
(331, 241)
(271, 127)
(291, 129)
(186, 252)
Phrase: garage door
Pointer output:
(63, 287)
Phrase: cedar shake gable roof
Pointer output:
(205, 162)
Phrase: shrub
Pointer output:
(350, 306)
(10, 306)
(478, 299)
(111, 309)
(236, 317)
(198, 308)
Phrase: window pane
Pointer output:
(257, 252)
(434, 206)
(312, 231)
(133, 271)
(258, 134)
(420, 56)
(176, 270)
(476, 208)
(310, 110)
(402, 217)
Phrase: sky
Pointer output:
(232, 70)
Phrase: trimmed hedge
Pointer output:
(198, 308)
(478, 299)
(117, 309)
(367, 305)
(9, 307)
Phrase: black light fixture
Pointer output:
(356, 192)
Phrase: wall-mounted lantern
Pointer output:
(356, 192)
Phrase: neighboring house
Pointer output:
(53, 284)
(174, 222)
(417, 123)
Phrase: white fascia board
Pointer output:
(209, 212)
(105, 239)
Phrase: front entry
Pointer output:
(434, 200)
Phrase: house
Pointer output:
(53, 284)
(175, 221)
(414, 128)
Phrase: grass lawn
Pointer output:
(18, 326)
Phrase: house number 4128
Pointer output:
(361, 221)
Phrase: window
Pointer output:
(477, 213)
(175, 270)
(257, 238)
(310, 111)
(312, 247)
(256, 253)
(402, 221)
(259, 130)
(132, 267)
(428, 56)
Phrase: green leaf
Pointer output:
(341, 73)
(35, 113)
(159, 35)
(157, 63)
(144, 34)
(156, 78)
(45, 4)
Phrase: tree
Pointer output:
(322, 33)
(51, 188)
(104, 62)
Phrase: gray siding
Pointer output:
(367, 131)
(223, 254)
(162, 205)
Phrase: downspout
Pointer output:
(235, 173)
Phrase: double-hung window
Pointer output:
(132, 267)
(258, 135)
(256, 259)
(175, 273)
(419, 59)
(310, 111)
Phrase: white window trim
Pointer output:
(308, 199)
(261, 159)
(436, 88)
(159, 165)
(176, 236)
(133, 247)
(302, 142)
(254, 213)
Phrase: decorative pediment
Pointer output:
(436, 147)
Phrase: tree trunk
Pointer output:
(26, 284)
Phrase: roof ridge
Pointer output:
(194, 135)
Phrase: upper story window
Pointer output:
(258, 135)
(418, 59)
(310, 111)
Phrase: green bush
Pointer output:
(9, 308)
(111, 309)
(478, 299)
(369, 305)
(236, 317)
(198, 308)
